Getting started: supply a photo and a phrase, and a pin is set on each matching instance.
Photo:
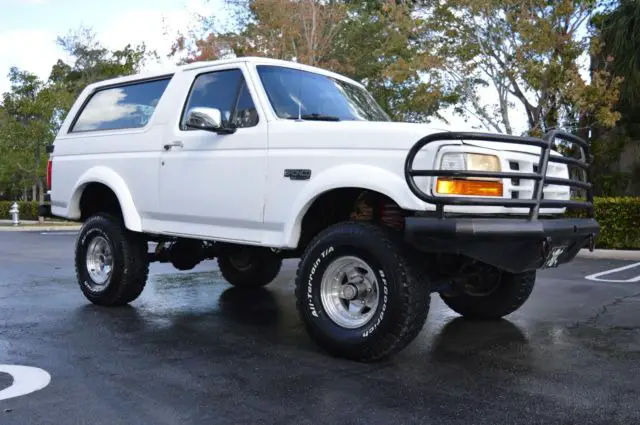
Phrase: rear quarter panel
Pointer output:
(125, 160)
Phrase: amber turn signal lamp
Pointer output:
(469, 187)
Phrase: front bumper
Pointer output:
(514, 245)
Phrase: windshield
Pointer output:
(294, 93)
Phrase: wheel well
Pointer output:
(349, 204)
(99, 198)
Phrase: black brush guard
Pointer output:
(512, 244)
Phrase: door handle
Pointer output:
(176, 144)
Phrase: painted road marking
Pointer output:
(596, 276)
(65, 233)
(26, 380)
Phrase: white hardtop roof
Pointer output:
(207, 64)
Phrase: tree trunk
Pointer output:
(34, 192)
(36, 165)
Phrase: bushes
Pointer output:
(619, 220)
(28, 210)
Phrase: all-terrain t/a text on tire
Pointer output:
(360, 293)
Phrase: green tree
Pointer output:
(26, 129)
(33, 109)
(616, 165)
(375, 43)
(528, 52)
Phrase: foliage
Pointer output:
(619, 220)
(375, 43)
(618, 32)
(29, 112)
(28, 210)
(33, 110)
(527, 51)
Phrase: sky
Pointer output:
(28, 28)
(28, 31)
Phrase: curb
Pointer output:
(71, 228)
(610, 254)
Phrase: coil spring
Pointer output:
(391, 215)
(388, 213)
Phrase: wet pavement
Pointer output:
(194, 350)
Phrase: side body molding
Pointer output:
(113, 181)
(348, 176)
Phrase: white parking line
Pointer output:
(596, 277)
(26, 380)
(66, 233)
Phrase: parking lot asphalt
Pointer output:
(194, 350)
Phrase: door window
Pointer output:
(226, 91)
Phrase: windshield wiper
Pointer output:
(316, 117)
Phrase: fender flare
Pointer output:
(358, 176)
(113, 181)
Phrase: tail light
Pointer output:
(49, 170)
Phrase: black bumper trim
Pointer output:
(515, 245)
(44, 209)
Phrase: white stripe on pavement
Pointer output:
(597, 276)
(26, 380)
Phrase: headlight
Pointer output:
(470, 186)
(469, 162)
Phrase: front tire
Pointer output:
(111, 262)
(501, 293)
(249, 267)
(362, 267)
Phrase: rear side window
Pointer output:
(122, 107)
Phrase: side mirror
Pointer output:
(209, 119)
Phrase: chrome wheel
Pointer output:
(99, 263)
(349, 292)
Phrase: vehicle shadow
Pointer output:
(255, 314)
(493, 344)
(250, 306)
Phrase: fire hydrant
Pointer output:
(15, 214)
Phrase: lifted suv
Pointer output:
(253, 160)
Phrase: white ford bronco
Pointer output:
(251, 161)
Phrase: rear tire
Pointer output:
(391, 292)
(249, 267)
(508, 294)
(111, 262)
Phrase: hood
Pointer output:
(383, 135)
(499, 146)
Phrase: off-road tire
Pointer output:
(264, 268)
(130, 261)
(399, 317)
(511, 293)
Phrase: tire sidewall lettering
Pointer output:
(383, 308)
(322, 257)
(310, 280)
